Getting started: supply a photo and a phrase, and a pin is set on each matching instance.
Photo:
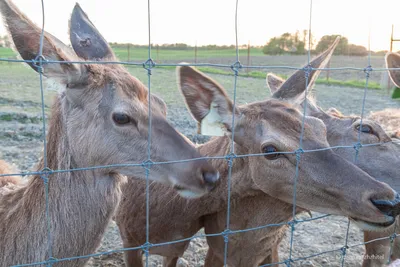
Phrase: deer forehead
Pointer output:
(274, 113)
(280, 127)
(117, 80)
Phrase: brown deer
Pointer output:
(323, 182)
(100, 118)
(380, 161)
(382, 247)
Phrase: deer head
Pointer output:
(379, 161)
(104, 109)
(326, 182)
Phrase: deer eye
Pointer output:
(271, 149)
(364, 128)
(121, 118)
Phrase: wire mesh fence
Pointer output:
(236, 67)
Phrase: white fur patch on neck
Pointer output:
(212, 123)
(53, 85)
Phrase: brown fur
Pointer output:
(323, 182)
(341, 131)
(82, 133)
(390, 121)
(67, 193)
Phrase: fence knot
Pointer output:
(357, 146)
(307, 71)
(145, 247)
(288, 262)
(236, 67)
(147, 164)
(230, 158)
(344, 250)
(44, 174)
(292, 224)
(298, 153)
(38, 62)
(368, 70)
(392, 237)
(226, 234)
(51, 261)
(149, 65)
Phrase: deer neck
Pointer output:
(80, 206)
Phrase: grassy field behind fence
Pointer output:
(228, 56)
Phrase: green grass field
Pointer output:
(6, 53)
(141, 53)
(227, 56)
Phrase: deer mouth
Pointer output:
(373, 226)
(186, 192)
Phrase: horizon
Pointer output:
(212, 22)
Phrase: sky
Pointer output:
(212, 21)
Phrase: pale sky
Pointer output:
(212, 21)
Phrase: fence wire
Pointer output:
(236, 67)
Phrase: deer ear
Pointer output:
(159, 103)
(294, 88)
(274, 82)
(26, 37)
(86, 40)
(334, 112)
(393, 61)
(207, 101)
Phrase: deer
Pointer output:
(323, 181)
(388, 118)
(379, 161)
(383, 247)
(99, 118)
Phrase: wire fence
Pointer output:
(235, 67)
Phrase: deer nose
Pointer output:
(388, 207)
(210, 179)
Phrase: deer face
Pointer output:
(105, 110)
(379, 161)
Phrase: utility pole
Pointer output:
(391, 40)
(248, 57)
(129, 52)
(195, 53)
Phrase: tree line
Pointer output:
(180, 46)
(288, 43)
(295, 43)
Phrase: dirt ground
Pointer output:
(20, 144)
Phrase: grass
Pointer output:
(396, 93)
(6, 53)
(20, 84)
(6, 117)
(172, 55)
(141, 53)
(20, 92)
(262, 75)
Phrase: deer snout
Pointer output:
(388, 207)
(210, 179)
